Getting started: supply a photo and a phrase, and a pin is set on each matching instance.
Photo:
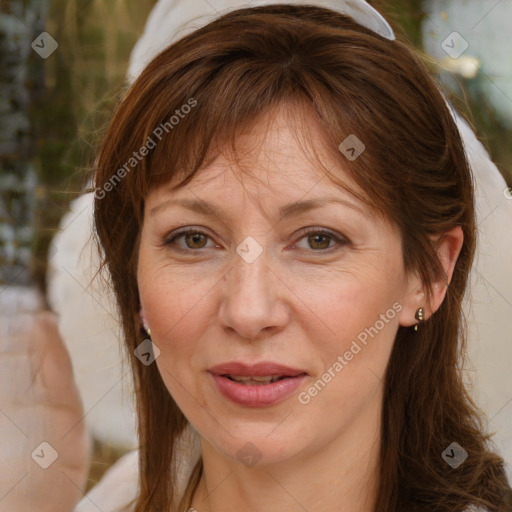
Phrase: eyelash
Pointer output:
(314, 231)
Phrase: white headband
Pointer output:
(170, 21)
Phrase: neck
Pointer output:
(341, 476)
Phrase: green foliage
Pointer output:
(82, 78)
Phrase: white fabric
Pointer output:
(490, 341)
(90, 327)
(116, 489)
(171, 19)
(119, 485)
(488, 305)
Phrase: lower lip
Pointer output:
(257, 395)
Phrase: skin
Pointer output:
(302, 302)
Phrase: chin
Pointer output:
(260, 444)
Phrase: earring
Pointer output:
(419, 316)
(144, 321)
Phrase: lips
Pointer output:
(256, 385)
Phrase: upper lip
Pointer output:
(261, 369)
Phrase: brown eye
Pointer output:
(319, 241)
(322, 240)
(195, 240)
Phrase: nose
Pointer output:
(254, 298)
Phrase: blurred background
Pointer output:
(62, 71)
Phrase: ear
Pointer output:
(448, 246)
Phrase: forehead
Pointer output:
(286, 149)
(272, 163)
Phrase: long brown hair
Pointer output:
(413, 170)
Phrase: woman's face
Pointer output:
(250, 284)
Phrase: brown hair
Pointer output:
(413, 170)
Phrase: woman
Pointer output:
(310, 338)
(323, 178)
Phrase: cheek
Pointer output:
(351, 305)
(175, 313)
(172, 299)
(364, 319)
(362, 316)
(366, 311)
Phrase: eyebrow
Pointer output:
(288, 210)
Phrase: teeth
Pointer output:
(254, 380)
